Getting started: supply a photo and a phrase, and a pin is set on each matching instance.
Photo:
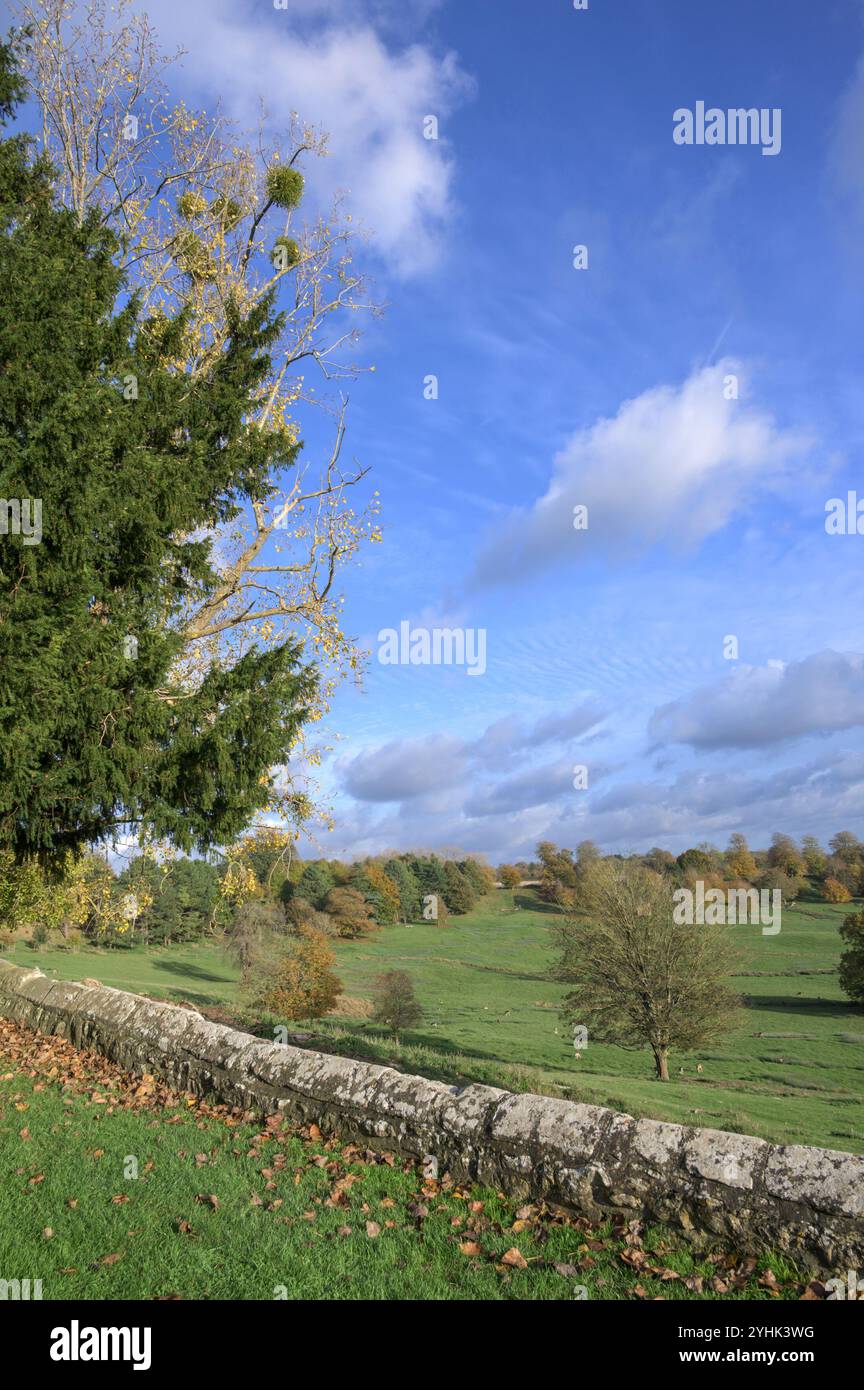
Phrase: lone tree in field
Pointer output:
(397, 1007)
(636, 978)
(852, 959)
(301, 982)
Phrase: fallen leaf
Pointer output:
(515, 1259)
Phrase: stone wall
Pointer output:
(710, 1184)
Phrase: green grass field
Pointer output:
(792, 1072)
(110, 1195)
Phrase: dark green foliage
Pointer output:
(284, 186)
(430, 876)
(458, 894)
(694, 861)
(408, 888)
(376, 890)
(315, 883)
(186, 902)
(285, 253)
(271, 865)
(852, 959)
(92, 737)
(473, 874)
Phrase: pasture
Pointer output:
(792, 1071)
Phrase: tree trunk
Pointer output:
(661, 1062)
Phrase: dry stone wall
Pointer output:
(710, 1184)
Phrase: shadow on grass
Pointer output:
(825, 1008)
(525, 904)
(192, 972)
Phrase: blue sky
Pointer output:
(605, 386)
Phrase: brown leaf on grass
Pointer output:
(567, 1271)
(694, 1282)
(344, 1231)
(110, 1259)
(37, 1177)
(470, 1248)
(814, 1290)
(72, 1202)
(208, 1199)
(119, 1199)
(373, 1230)
(184, 1228)
(47, 1232)
(519, 1226)
(515, 1259)
(635, 1258)
(24, 1134)
(719, 1285)
(314, 1132)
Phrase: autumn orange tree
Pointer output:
(301, 983)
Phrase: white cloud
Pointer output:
(371, 98)
(755, 706)
(674, 465)
(404, 769)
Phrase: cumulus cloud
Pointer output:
(510, 736)
(815, 798)
(405, 769)
(755, 706)
(674, 465)
(426, 771)
(536, 786)
(339, 74)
